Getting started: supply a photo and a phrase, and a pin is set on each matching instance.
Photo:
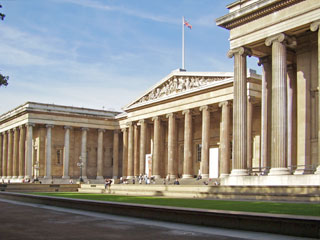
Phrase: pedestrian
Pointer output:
(176, 182)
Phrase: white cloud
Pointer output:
(127, 11)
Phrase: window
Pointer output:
(199, 147)
(59, 156)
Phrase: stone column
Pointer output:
(292, 115)
(266, 113)
(249, 132)
(225, 139)
(136, 150)
(304, 110)
(125, 152)
(143, 138)
(156, 147)
(22, 144)
(315, 26)
(279, 107)
(1, 149)
(10, 153)
(48, 151)
(29, 150)
(239, 167)
(66, 154)
(4, 155)
(100, 154)
(205, 141)
(115, 154)
(172, 146)
(187, 163)
(84, 152)
(130, 171)
(15, 165)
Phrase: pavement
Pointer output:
(19, 220)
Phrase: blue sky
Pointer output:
(103, 54)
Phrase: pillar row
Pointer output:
(115, 171)
(29, 150)
(143, 139)
(125, 152)
(156, 147)
(15, 164)
(172, 146)
(48, 151)
(100, 154)
(225, 139)
(84, 151)
(22, 155)
(130, 170)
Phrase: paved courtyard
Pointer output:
(32, 221)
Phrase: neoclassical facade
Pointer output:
(240, 128)
(181, 127)
(284, 36)
(57, 142)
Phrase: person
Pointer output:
(121, 180)
(71, 181)
(107, 183)
(133, 181)
(176, 182)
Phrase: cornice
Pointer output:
(253, 11)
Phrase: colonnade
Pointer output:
(17, 152)
(134, 165)
(279, 117)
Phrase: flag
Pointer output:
(187, 24)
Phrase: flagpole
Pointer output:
(183, 43)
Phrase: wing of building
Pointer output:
(239, 128)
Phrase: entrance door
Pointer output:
(214, 163)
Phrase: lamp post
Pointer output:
(80, 165)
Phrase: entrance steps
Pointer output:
(264, 193)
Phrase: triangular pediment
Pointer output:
(178, 83)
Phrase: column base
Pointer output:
(21, 177)
(279, 171)
(173, 177)
(157, 176)
(130, 177)
(223, 175)
(318, 170)
(14, 177)
(187, 176)
(239, 172)
(65, 177)
(9, 177)
(47, 177)
(205, 175)
(115, 177)
(99, 178)
(3, 177)
(302, 171)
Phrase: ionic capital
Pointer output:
(156, 118)
(282, 38)
(240, 51)
(124, 130)
(129, 124)
(49, 126)
(170, 115)
(30, 124)
(225, 104)
(101, 130)
(84, 129)
(315, 26)
(116, 131)
(204, 108)
(67, 127)
(187, 111)
(141, 122)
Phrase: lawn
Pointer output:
(306, 209)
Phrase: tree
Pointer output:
(3, 79)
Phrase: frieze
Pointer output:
(178, 84)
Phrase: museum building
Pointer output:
(240, 128)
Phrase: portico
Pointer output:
(283, 35)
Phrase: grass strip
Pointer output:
(305, 209)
